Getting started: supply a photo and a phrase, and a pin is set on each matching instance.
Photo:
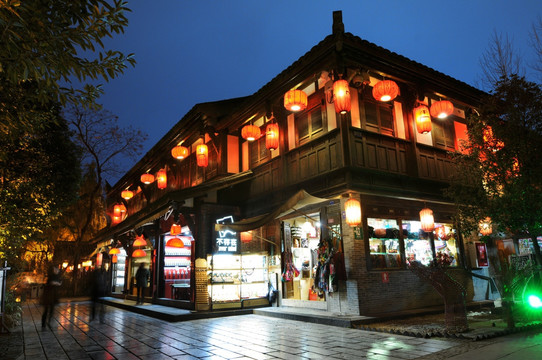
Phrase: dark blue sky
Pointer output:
(197, 51)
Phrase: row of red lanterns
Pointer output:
(439, 109)
(202, 154)
(252, 132)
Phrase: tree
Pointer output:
(102, 142)
(39, 177)
(50, 44)
(501, 170)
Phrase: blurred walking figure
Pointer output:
(142, 277)
(99, 290)
(50, 295)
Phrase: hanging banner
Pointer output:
(481, 254)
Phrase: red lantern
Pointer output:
(175, 242)
(117, 210)
(179, 152)
(161, 179)
(423, 119)
(352, 209)
(427, 220)
(175, 229)
(140, 241)
(147, 178)
(114, 251)
(250, 132)
(202, 155)
(295, 100)
(127, 194)
(114, 259)
(139, 253)
(272, 136)
(99, 259)
(385, 90)
(246, 236)
(441, 109)
(341, 96)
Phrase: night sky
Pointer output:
(189, 52)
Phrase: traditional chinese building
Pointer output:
(315, 185)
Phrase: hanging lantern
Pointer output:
(140, 241)
(127, 194)
(175, 242)
(122, 209)
(352, 209)
(114, 251)
(485, 227)
(246, 236)
(175, 229)
(272, 136)
(161, 179)
(427, 220)
(116, 219)
(179, 152)
(202, 155)
(113, 259)
(441, 109)
(147, 178)
(423, 119)
(341, 96)
(250, 132)
(99, 259)
(117, 210)
(295, 100)
(139, 253)
(385, 90)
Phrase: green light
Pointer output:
(534, 301)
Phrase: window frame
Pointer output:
(316, 101)
(402, 240)
(366, 98)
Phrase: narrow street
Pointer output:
(126, 335)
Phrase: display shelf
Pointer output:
(235, 277)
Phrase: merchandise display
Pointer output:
(177, 269)
(232, 278)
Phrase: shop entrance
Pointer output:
(302, 236)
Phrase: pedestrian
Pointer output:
(99, 289)
(50, 295)
(142, 278)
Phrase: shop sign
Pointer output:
(385, 277)
(226, 241)
(481, 254)
(358, 233)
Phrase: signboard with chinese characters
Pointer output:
(226, 240)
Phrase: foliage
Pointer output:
(501, 171)
(39, 167)
(13, 310)
(50, 44)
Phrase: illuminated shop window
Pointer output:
(417, 242)
(384, 243)
(446, 243)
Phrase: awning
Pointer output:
(301, 200)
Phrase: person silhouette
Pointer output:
(142, 278)
(99, 289)
(50, 295)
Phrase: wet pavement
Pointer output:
(129, 335)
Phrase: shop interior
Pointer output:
(300, 257)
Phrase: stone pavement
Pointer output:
(128, 335)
